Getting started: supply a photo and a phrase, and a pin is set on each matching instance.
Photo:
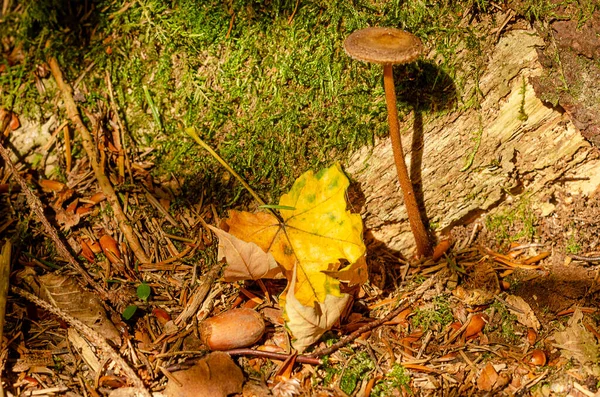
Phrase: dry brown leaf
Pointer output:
(245, 261)
(83, 210)
(476, 324)
(110, 247)
(273, 315)
(95, 246)
(216, 375)
(86, 251)
(577, 342)
(97, 197)
(48, 185)
(67, 219)
(64, 293)
(161, 315)
(488, 378)
(442, 247)
(62, 197)
(14, 121)
(526, 316)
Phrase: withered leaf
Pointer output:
(245, 260)
(576, 342)
(488, 378)
(110, 247)
(526, 316)
(66, 294)
(309, 323)
(216, 375)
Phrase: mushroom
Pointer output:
(388, 47)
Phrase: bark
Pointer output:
(469, 161)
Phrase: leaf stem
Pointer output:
(191, 131)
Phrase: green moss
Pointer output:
(572, 245)
(439, 315)
(507, 323)
(350, 374)
(515, 224)
(397, 379)
(358, 367)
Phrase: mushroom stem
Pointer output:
(412, 209)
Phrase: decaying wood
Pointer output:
(89, 146)
(518, 145)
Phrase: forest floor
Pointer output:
(109, 245)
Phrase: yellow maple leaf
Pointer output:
(314, 231)
(307, 324)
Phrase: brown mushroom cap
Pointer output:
(386, 46)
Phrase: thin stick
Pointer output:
(199, 295)
(291, 18)
(4, 275)
(68, 157)
(273, 356)
(95, 338)
(191, 132)
(123, 157)
(103, 181)
(585, 258)
(38, 209)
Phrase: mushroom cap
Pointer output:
(386, 46)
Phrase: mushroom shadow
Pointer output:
(384, 264)
(422, 87)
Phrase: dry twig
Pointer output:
(103, 181)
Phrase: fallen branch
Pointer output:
(96, 339)
(103, 181)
